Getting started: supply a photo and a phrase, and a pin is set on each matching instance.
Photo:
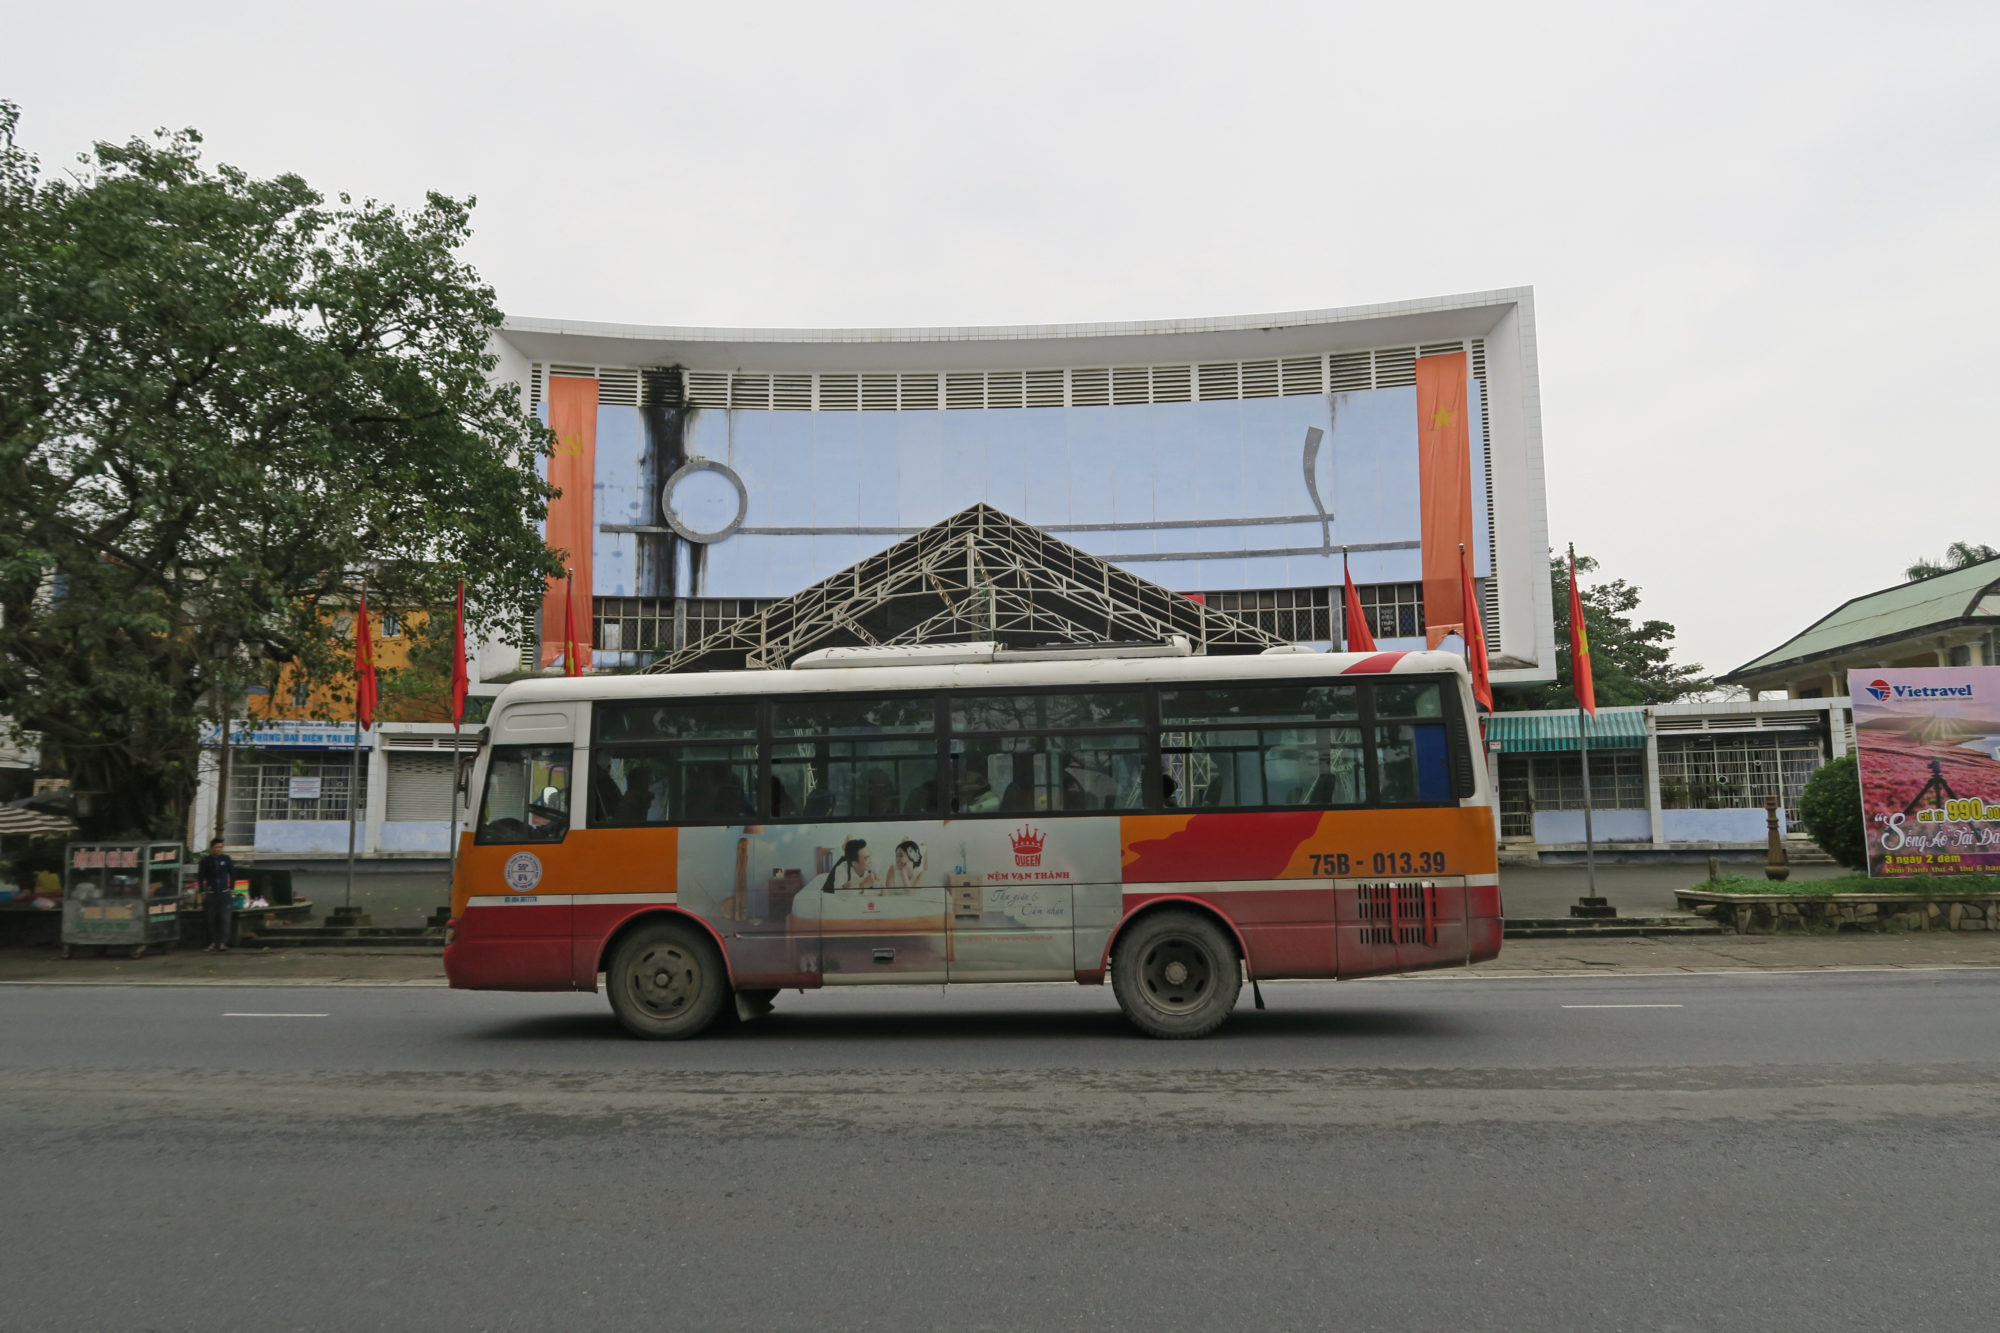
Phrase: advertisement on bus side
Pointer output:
(908, 900)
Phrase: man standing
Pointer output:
(217, 876)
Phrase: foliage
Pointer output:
(1830, 808)
(224, 401)
(1956, 556)
(1630, 663)
(1914, 886)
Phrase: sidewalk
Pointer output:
(1520, 958)
(238, 967)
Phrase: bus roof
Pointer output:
(1274, 666)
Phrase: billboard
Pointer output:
(1928, 744)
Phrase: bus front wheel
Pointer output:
(1175, 974)
(666, 982)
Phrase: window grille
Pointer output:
(1530, 782)
(260, 785)
(1734, 772)
(646, 624)
(1298, 615)
(1394, 610)
(1306, 615)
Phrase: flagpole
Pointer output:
(1590, 905)
(1339, 643)
(354, 762)
(457, 721)
(1589, 842)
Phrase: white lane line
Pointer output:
(274, 1015)
(1623, 1006)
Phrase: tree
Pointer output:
(1956, 556)
(1630, 663)
(224, 402)
(1830, 808)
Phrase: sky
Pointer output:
(1764, 238)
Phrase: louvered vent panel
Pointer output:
(707, 388)
(1492, 595)
(920, 393)
(964, 391)
(792, 393)
(574, 372)
(1489, 612)
(662, 386)
(750, 391)
(1394, 366)
(535, 385)
(1171, 384)
(1306, 374)
(878, 393)
(1352, 371)
(618, 387)
(1089, 388)
(1341, 372)
(1045, 388)
(839, 393)
(1260, 379)
(1132, 384)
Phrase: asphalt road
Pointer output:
(1699, 1152)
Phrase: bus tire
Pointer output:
(1176, 974)
(666, 982)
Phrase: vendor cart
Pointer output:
(121, 895)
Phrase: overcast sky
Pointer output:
(1763, 238)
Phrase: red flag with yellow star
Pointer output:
(1579, 647)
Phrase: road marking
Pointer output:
(274, 1015)
(1623, 1006)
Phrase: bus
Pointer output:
(1179, 825)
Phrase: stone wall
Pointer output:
(1768, 913)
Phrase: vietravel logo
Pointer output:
(1882, 691)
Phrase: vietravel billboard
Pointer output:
(1928, 744)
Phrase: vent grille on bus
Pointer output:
(1399, 911)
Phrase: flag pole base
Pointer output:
(1594, 908)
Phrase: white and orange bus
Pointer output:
(965, 813)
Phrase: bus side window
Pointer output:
(527, 794)
(1412, 746)
(1238, 747)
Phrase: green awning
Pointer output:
(1531, 733)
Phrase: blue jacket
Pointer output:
(216, 874)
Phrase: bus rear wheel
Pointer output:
(666, 982)
(1175, 974)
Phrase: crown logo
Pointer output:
(1028, 845)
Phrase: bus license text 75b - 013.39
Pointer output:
(1339, 864)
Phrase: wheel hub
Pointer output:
(1176, 974)
(666, 982)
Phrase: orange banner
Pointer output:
(572, 526)
(1444, 480)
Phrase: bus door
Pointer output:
(522, 868)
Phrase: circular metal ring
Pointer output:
(686, 469)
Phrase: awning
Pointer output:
(15, 821)
(1540, 733)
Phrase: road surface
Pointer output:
(1700, 1152)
